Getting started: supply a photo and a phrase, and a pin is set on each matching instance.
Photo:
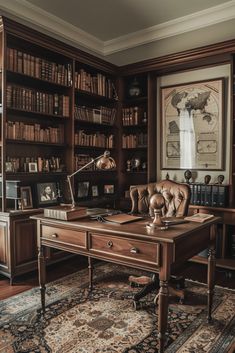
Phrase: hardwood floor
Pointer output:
(193, 271)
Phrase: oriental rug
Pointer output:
(104, 321)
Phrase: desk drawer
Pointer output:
(58, 235)
(128, 248)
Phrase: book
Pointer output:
(199, 217)
(65, 212)
(121, 218)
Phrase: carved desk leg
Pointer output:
(90, 271)
(164, 277)
(162, 313)
(42, 274)
(211, 270)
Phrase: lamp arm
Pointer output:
(85, 166)
(77, 171)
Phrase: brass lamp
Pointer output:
(103, 162)
(71, 211)
(156, 202)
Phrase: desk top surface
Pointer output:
(136, 229)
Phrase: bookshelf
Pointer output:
(95, 130)
(137, 131)
(59, 109)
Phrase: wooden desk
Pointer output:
(132, 244)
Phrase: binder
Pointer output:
(215, 195)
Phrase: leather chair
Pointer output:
(177, 198)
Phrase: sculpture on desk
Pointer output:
(187, 175)
(207, 179)
(220, 179)
(156, 202)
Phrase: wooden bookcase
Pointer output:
(95, 130)
(47, 90)
(136, 133)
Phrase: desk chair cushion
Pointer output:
(176, 195)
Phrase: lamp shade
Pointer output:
(105, 162)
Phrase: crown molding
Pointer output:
(171, 28)
(22, 9)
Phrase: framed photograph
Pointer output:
(9, 167)
(83, 189)
(33, 167)
(94, 191)
(47, 193)
(109, 189)
(26, 197)
(192, 125)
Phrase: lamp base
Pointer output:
(65, 212)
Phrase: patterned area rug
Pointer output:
(105, 321)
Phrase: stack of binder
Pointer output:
(215, 195)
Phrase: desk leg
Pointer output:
(211, 272)
(42, 275)
(162, 313)
(90, 271)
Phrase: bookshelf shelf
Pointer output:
(135, 148)
(93, 124)
(114, 171)
(36, 175)
(144, 172)
(43, 144)
(35, 113)
(95, 97)
(31, 80)
(137, 100)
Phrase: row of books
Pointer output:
(134, 140)
(95, 83)
(35, 101)
(34, 66)
(134, 116)
(99, 115)
(215, 195)
(34, 164)
(16, 130)
(96, 140)
(82, 159)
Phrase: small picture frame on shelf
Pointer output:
(33, 167)
(47, 193)
(26, 197)
(108, 189)
(83, 189)
(9, 167)
(94, 191)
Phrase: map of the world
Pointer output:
(192, 125)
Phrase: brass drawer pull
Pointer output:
(134, 250)
(109, 243)
(54, 235)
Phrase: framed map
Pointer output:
(192, 125)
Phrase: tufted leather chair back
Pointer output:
(176, 195)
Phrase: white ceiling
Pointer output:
(108, 26)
